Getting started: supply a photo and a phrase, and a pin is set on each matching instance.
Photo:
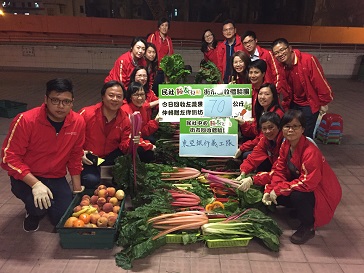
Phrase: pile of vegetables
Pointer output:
(174, 68)
(208, 73)
(162, 207)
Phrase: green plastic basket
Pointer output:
(176, 238)
(217, 243)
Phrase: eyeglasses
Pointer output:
(135, 95)
(248, 42)
(279, 52)
(293, 127)
(228, 29)
(208, 35)
(56, 101)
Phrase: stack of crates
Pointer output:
(330, 129)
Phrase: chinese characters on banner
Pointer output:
(204, 100)
(208, 137)
(205, 113)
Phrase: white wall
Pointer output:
(335, 64)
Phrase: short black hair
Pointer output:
(163, 20)
(59, 85)
(273, 117)
(260, 64)
(249, 33)
(280, 41)
(133, 88)
(138, 39)
(111, 84)
(229, 21)
(290, 115)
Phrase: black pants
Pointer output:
(159, 78)
(62, 197)
(303, 202)
(90, 175)
(310, 117)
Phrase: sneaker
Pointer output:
(302, 235)
(31, 223)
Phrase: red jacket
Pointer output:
(149, 126)
(33, 146)
(96, 140)
(275, 74)
(250, 129)
(261, 152)
(164, 47)
(151, 96)
(221, 53)
(123, 68)
(315, 176)
(311, 74)
(211, 55)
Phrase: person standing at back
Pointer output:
(274, 73)
(42, 145)
(227, 48)
(311, 92)
(164, 46)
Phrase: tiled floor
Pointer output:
(338, 247)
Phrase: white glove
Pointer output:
(82, 189)
(158, 118)
(324, 109)
(42, 195)
(136, 139)
(273, 197)
(238, 153)
(154, 148)
(240, 120)
(240, 177)
(85, 160)
(245, 184)
(266, 199)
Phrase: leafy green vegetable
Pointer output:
(174, 68)
(208, 73)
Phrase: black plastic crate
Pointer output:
(9, 109)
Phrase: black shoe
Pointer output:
(31, 223)
(302, 235)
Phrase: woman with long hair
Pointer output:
(208, 46)
(240, 62)
(151, 57)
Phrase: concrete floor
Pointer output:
(337, 247)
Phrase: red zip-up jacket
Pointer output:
(275, 74)
(164, 47)
(151, 96)
(123, 68)
(261, 152)
(33, 146)
(149, 126)
(221, 53)
(315, 175)
(211, 55)
(311, 75)
(250, 129)
(96, 140)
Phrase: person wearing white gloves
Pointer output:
(264, 154)
(302, 179)
(42, 144)
(108, 132)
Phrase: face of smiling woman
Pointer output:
(265, 97)
(138, 98)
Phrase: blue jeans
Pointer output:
(62, 197)
(310, 117)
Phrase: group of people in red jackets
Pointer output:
(289, 91)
